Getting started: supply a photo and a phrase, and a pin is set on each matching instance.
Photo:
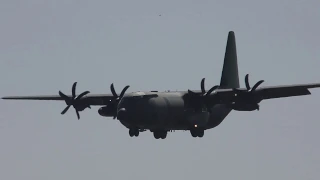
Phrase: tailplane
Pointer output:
(230, 75)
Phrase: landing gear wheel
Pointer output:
(197, 132)
(193, 133)
(133, 132)
(160, 134)
(164, 134)
(156, 135)
(136, 132)
(200, 133)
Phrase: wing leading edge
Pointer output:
(268, 92)
(81, 99)
(91, 99)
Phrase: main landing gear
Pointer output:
(133, 132)
(197, 132)
(160, 134)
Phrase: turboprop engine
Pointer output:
(107, 111)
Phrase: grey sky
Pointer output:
(47, 45)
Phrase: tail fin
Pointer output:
(230, 75)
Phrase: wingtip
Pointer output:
(8, 97)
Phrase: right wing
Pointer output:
(268, 92)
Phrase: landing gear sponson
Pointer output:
(158, 134)
(162, 134)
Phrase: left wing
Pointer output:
(82, 99)
(91, 99)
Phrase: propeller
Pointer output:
(203, 90)
(116, 97)
(249, 89)
(203, 94)
(247, 95)
(74, 101)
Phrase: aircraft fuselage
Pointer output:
(166, 111)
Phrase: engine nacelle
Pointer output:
(107, 111)
(198, 118)
(245, 107)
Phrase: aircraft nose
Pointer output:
(122, 114)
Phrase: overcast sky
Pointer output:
(47, 45)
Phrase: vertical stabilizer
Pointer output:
(230, 76)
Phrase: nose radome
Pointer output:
(122, 114)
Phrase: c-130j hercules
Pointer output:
(194, 111)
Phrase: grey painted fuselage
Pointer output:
(167, 111)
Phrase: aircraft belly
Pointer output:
(168, 111)
(176, 112)
(199, 119)
(144, 113)
(218, 114)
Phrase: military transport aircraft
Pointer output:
(194, 111)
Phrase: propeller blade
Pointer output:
(123, 91)
(256, 85)
(82, 94)
(201, 98)
(247, 82)
(78, 115)
(248, 95)
(74, 101)
(74, 90)
(211, 90)
(63, 96)
(116, 98)
(249, 89)
(65, 109)
(203, 90)
(113, 91)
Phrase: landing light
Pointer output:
(195, 125)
